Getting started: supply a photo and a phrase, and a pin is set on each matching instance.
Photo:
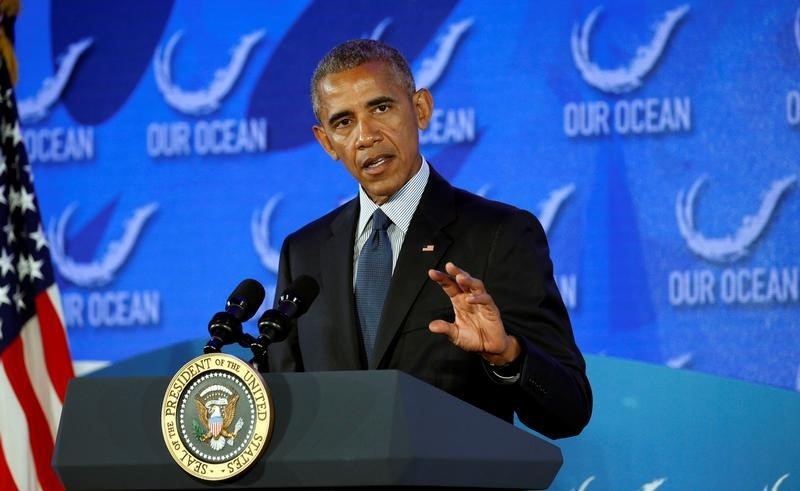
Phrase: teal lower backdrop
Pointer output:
(653, 427)
(661, 428)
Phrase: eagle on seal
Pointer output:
(216, 417)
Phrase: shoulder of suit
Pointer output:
(321, 227)
(479, 208)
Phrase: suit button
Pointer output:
(536, 386)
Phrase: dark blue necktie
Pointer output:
(372, 279)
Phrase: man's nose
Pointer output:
(368, 133)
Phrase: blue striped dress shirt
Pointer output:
(399, 208)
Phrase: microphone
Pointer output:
(295, 300)
(226, 327)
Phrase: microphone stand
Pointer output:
(227, 329)
(259, 349)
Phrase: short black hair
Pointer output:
(354, 53)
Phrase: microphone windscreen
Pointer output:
(245, 299)
(302, 292)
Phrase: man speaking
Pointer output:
(419, 276)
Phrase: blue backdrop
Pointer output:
(657, 142)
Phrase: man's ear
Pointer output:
(423, 104)
(322, 138)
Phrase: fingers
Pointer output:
(445, 328)
(447, 282)
(465, 280)
(480, 299)
(455, 281)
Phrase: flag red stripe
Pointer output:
(54, 340)
(6, 480)
(41, 442)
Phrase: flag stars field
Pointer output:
(23, 267)
(34, 267)
(39, 238)
(19, 301)
(13, 200)
(6, 266)
(8, 230)
(26, 201)
(4, 298)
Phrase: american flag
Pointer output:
(35, 363)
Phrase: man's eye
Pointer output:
(341, 123)
(382, 108)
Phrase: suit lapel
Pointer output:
(423, 248)
(337, 273)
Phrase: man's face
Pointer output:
(371, 123)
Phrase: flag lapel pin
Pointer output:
(428, 248)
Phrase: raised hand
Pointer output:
(478, 326)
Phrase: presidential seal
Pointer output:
(216, 417)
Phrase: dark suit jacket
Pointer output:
(502, 245)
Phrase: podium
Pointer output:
(337, 430)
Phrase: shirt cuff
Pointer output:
(508, 374)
